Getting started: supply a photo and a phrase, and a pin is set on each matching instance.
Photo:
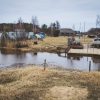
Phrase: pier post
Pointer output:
(58, 50)
(44, 64)
(87, 48)
(65, 52)
(89, 66)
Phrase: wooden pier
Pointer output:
(85, 51)
(63, 50)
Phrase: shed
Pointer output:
(66, 32)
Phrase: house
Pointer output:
(66, 32)
(93, 32)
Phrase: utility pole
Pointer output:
(84, 31)
(80, 28)
(98, 21)
(73, 27)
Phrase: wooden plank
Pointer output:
(89, 51)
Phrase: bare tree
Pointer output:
(20, 31)
(55, 28)
(57, 25)
(34, 23)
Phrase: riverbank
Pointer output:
(50, 49)
(49, 44)
(33, 83)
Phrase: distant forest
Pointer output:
(53, 29)
(10, 27)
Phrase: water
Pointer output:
(79, 63)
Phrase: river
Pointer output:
(69, 62)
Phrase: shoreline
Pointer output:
(55, 67)
(24, 50)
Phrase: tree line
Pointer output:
(52, 29)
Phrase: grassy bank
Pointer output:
(49, 44)
(33, 83)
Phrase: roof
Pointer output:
(66, 30)
(94, 31)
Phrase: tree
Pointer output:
(55, 28)
(44, 27)
(20, 23)
(57, 25)
(35, 24)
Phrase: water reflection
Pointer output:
(96, 59)
(69, 62)
(35, 53)
(20, 56)
(74, 57)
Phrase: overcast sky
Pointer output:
(67, 12)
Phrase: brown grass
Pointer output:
(32, 83)
(59, 41)
(49, 44)
(66, 93)
(86, 40)
(56, 41)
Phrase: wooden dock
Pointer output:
(63, 50)
(85, 51)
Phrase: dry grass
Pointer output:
(32, 83)
(49, 44)
(66, 93)
(86, 40)
(60, 41)
(55, 41)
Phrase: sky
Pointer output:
(70, 13)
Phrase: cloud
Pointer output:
(68, 12)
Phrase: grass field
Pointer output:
(33, 83)
(49, 44)
(62, 41)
